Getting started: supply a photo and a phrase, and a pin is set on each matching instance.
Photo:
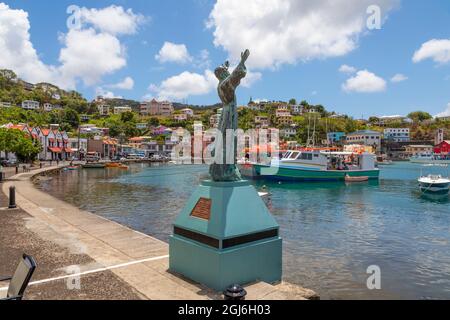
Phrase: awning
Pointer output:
(55, 150)
(68, 150)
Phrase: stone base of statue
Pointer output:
(226, 235)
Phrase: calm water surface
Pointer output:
(332, 232)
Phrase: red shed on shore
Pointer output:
(443, 147)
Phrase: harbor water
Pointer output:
(332, 231)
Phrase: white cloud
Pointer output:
(437, 49)
(114, 19)
(99, 91)
(88, 53)
(399, 78)
(125, 84)
(347, 69)
(287, 31)
(251, 78)
(172, 52)
(364, 81)
(185, 84)
(445, 113)
(16, 50)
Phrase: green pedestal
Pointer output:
(226, 235)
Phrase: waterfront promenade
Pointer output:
(111, 260)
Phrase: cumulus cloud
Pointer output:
(287, 31)
(88, 53)
(184, 85)
(125, 84)
(445, 113)
(114, 19)
(99, 91)
(16, 50)
(251, 78)
(172, 52)
(399, 78)
(364, 82)
(347, 69)
(436, 49)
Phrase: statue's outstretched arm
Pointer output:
(241, 71)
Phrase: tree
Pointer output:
(16, 141)
(127, 116)
(153, 122)
(419, 116)
(292, 102)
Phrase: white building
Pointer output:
(397, 134)
(187, 111)
(288, 132)
(297, 109)
(364, 137)
(214, 120)
(5, 104)
(30, 105)
(47, 107)
(120, 110)
(103, 109)
(180, 117)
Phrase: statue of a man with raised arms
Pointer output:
(228, 83)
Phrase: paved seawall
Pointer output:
(135, 261)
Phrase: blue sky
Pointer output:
(293, 55)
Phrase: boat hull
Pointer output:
(429, 161)
(435, 188)
(282, 173)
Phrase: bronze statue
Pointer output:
(228, 83)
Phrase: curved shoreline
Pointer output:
(110, 243)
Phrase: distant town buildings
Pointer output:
(414, 150)
(30, 105)
(180, 117)
(120, 110)
(364, 137)
(188, 112)
(214, 120)
(439, 136)
(103, 109)
(156, 108)
(47, 107)
(335, 137)
(397, 134)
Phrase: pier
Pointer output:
(109, 260)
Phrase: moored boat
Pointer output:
(356, 179)
(94, 165)
(435, 184)
(428, 158)
(314, 165)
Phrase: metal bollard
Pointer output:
(235, 292)
(40, 165)
(17, 169)
(12, 197)
(2, 176)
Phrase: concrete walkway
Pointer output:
(138, 260)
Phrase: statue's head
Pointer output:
(222, 72)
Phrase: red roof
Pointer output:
(45, 132)
(55, 150)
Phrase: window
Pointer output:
(294, 155)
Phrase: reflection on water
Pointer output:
(332, 231)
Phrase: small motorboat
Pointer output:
(123, 167)
(356, 179)
(435, 184)
(113, 165)
(94, 165)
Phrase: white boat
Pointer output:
(434, 183)
(429, 158)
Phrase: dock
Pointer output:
(84, 256)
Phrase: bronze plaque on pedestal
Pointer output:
(202, 209)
